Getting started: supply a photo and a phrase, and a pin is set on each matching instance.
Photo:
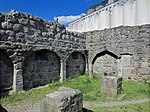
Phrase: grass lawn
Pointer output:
(90, 88)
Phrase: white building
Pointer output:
(113, 14)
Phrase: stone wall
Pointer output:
(40, 68)
(75, 65)
(28, 42)
(105, 64)
(29, 29)
(37, 49)
(124, 42)
(6, 71)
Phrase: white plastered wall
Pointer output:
(122, 12)
(104, 19)
(142, 12)
(129, 13)
(116, 14)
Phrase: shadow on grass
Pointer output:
(86, 110)
(2, 109)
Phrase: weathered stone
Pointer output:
(26, 29)
(42, 65)
(11, 38)
(17, 27)
(63, 100)
(38, 35)
(6, 77)
(10, 32)
(7, 25)
(111, 85)
(18, 66)
(33, 23)
(18, 86)
(124, 40)
(105, 64)
(75, 65)
(20, 35)
(2, 32)
(23, 21)
(45, 34)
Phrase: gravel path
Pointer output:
(120, 103)
(36, 108)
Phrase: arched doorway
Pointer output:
(75, 65)
(6, 73)
(105, 62)
(40, 68)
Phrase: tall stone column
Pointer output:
(62, 70)
(18, 78)
(86, 68)
(90, 70)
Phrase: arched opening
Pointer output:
(105, 63)
(6, 74)
(75, 65)
(40, 68)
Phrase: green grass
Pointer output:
(134, 90)
(90, 88)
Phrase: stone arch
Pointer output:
(40, 68)
(98, 54)
(105, 50)
(75, 64)
(6, 73)
(105, 62)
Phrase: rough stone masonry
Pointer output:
(111, 85)
(123, 50)
(35, 52)
(63, 100)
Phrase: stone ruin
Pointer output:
(63, 100)
(123, 50)
(111, 85)
(35, 52)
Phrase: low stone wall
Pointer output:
(63, 100)
(111, 85)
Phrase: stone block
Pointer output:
(111, 85)
(17, 27)
(63, 100)
(7, 25)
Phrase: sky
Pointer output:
(65, 10)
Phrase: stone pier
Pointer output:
(111, 85)
(63, 100)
